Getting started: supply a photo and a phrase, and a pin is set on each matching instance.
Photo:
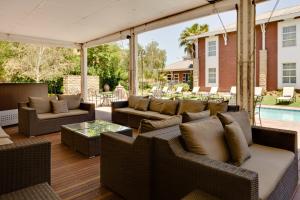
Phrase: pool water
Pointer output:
(280, 114)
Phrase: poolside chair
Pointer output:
(165, 90)
(231, 93)
(179, 90)
(258, 91)
(288, 94)
(195, 90)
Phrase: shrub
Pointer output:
(185, 86)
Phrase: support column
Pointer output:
(84, 69)
(263, 61)
(246, 55)
(133, 64)
(196, 66)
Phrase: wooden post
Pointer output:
(246, 55)
(84, 68)
(133, 64)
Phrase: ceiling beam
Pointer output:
(38, 41)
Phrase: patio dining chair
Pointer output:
(288, 94)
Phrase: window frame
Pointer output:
(289, 77)
(211, 52)
(285, 41)
(209, 73)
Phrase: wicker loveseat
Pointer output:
(32, 123)
(25, 171)
(177, 171)
(123, 114)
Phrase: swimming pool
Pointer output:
(280, 114)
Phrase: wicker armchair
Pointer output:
(177, 172)
(25, 171)
(126, 163)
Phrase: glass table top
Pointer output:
(95, 128)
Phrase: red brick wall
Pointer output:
(227, 59)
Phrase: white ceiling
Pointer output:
(83, 20)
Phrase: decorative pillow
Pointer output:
(142, 104)
(59, 106)
(242, 119)
(133, 100)
(189, 116)
(73, 101)
(151, 125)
(237, 143)
(169, 107)
(217, 107)
(192, 106)
(41, 104)
(156, 104)
(206, 137)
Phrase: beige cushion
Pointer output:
(3, 134)
(169, 107)
(142, 104)
(156, 104)
(59, 115)
(188, 117)
(133, 100)
(242, 119)
(237, 143)
(41, 104)
(59, 106)
(4, 141)
(270, 164)
(192, 106)
(146, 114)
(217, 107)
(206, 137)
(73, 101)
(151, 125)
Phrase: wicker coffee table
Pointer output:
(85, 137)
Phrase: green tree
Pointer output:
(188, 45)
(6, 53)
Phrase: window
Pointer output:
(186, 77)
(289, 73)
(176, 78)
(169, 77)
(212, 48)
(289, 36)
(212, 75)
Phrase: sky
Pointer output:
(167, 37)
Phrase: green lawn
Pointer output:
(271, 100)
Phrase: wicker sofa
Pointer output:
(25, 171)
(32, 124)
(177, 172)
(123, 114)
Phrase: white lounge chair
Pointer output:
(165, 90)
(258, 91)
(195, 90)
(231, 93)
(288, 94)
(179, 90)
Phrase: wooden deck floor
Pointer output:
(74, 177)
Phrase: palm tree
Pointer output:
(188, 45)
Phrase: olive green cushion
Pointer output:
(192, 106)
(156, 104)
(142, 104)
(133, 100)
(169, 107)
(151, 125)
(189, 116)
(237, 143)
(59, 106)
(206, 137)
(41, 104)
(73, 101)
(242, 119)
(214, 108)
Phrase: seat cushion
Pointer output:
(36, 192)
(59, 106)
(188, 117)
(59, 115)
(146, 114)
(206, 137)
(72, 100)
(4, 141)
(237, 143)
(41, 104)
(242, 119)
(3, 134)
(156, 104)
(270, 164)
(147, 125)
(192, 106)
